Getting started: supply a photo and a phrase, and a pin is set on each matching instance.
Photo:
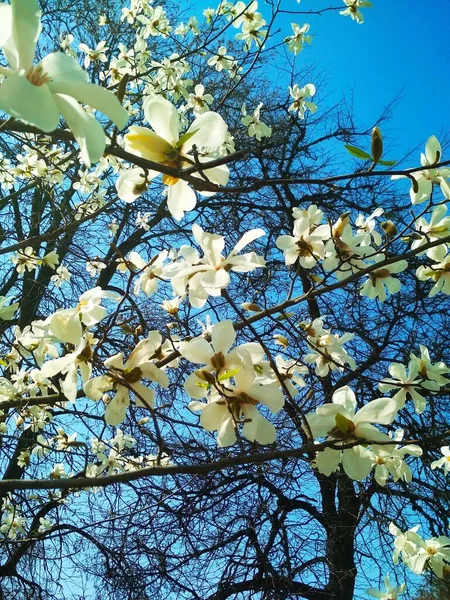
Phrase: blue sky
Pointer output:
(400, 49)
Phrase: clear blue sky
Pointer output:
(401, 48)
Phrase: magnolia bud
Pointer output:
(251, 307)
(389, 228)
(377, 145)
(341, 224)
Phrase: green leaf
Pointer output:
(228, 375)
(387, 163)
(343, 424)
(185, 137)
(357, 152)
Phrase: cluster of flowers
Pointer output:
(419, 554)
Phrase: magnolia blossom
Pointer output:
(296, 41)
(407, 383)
(423, 186)
(419, 554)
(70, 364)
(306, 244)
(66, 325)
(301, 97)
(339, 423)
(256, 128)
(328, 351)
(230, 402)
(437, 228)
(164, 145)
(391, 593)
(353, 11)
(215, 357)
(39, 94)
(209, 275)
(381, 279)
(439, 272)
(366, 225)
(125, 377)
(345, 251)
(150, 272)
(390, 461)
(444, 462)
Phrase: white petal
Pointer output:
(163, 118)
(86, 129)
(147, 144)
(211, 131)
(213, 415)
(180, 199)
(381, 411)
(357, 462)
(147, 395)
(26, 30)
(246, 239)
(30, 103)
(5, 23)
(223, 336)
(433, 150)
(93, 95)
(346, 398)
(60, 67)
(198, 351)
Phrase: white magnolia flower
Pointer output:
(437, 228)
(221, 60)
(433, 553)
(439, 272)
(339, 423)
(299, 37)
(444, 462)
(407, 384)
(424, 180)
(301, 97)
(165, 146)
(391, 593)
(256, 128)
(382, 278)
(238, 400)
(209, 275)
(353, 11)
(328, 351)
(39, 94)
(390, 461)
(66, 325)
(150, 272)
(306, 244)
(367, 226)
(70, 364)
(125, 377)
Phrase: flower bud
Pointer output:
(251, 307)
(377, 145)
(389, 228)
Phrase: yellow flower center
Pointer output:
(36, 76)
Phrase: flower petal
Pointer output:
(210, 131)
(60, 67)
(30, 103)
(163, 118)
(86, 129)
(26, 29)
(147, 144)
(93, 95)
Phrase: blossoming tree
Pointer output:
(224, 360)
